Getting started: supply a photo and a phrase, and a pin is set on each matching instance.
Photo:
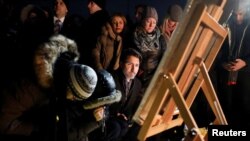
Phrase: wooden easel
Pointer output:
(182, 72)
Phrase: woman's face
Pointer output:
(149, 25)
(117, 24)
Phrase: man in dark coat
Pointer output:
(120, 118)
(26, 111)
(67, 24)
(93, 27)
(234, 68)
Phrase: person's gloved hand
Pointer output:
(99, 113)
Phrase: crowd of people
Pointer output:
(82, 79)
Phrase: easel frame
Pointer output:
(182, 72)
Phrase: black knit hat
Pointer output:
(100, 3)
(175, 12)
(82, 81)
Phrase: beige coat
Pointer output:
(106, 54)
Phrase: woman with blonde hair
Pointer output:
(107, 51)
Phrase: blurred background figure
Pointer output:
(138, 13)
(171, 20)
(98, 17)
(68, 24)
(233, 67)
(27, 103)
(60, 13)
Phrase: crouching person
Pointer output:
(120, 114)
(80, 105)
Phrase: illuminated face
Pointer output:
(171, 22)
(43, 67)
(117, 24)
(239, 16)
(60, 9)
(130, 67)
(92, 7)
(149, 25)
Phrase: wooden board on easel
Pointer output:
(183, 71)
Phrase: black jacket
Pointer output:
(130, 103)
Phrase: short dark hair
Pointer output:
(140, 6)
(130, 52)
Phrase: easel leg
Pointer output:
(183, 107)
(211, 96)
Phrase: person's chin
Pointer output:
(132, 77)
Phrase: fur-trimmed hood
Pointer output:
(46, 55)
(102, 101)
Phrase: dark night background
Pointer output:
(124, 6)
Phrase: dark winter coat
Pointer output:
(25, 103)
(93, 29)
(234, 38)
(106, 54)
(152, 47)
(24, 110)
(129, 103)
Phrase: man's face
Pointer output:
(239, 16)
(60, 8)
(130, 67)
(92, 7)
(138, 14)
